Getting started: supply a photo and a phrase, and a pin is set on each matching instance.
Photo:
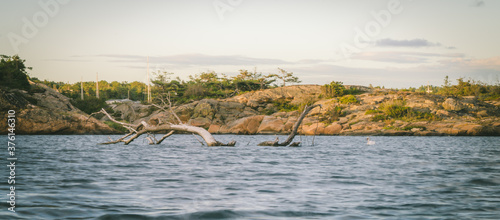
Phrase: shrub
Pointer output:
(395, 109)
(353, 91)
(308, 101)
(348, 99)
(379, 118)
(284, 105)
(90, 104)
(333, 114)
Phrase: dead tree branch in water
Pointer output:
(295, 130)
(143, 127)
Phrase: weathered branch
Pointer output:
(119, 140)
(143, 128)
(209, 139)
(128, 126)
(165, 137)
(294, 130)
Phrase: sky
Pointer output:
(391, 43)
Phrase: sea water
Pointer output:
(328, 177)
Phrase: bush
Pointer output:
(348, 99)
(353, 91)
(395, 109)
(284, 105)
(333, 114)
(308, 101)
(90, 104)
(379, 118)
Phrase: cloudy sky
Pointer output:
(392, 43)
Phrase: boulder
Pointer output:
(248, 125)
(469, 129)
(332, 129)
(200, 122)
(214, 129)
(313, 129)
(343, 120)
(205, 109)
(452, 104)
(271, 125)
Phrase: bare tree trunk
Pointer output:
(294, 130)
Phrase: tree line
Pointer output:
(199, 86)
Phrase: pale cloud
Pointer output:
(492, 63)
(402, 56)
(388, 42)
(196, 59)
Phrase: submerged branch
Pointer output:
(294, 130)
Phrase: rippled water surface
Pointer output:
(72, 177)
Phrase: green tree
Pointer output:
(13, 72)
(334, 89)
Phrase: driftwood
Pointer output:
(294, 131)
(136, 131)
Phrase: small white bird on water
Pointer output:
(368, 142)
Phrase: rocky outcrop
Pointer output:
(256, 113)
(45, 111)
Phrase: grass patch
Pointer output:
(390, 128)
(376, 118)
(372, 112)
(396, 109)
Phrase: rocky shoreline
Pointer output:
(256, 113)
(45, 111)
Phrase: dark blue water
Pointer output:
(71, 177)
